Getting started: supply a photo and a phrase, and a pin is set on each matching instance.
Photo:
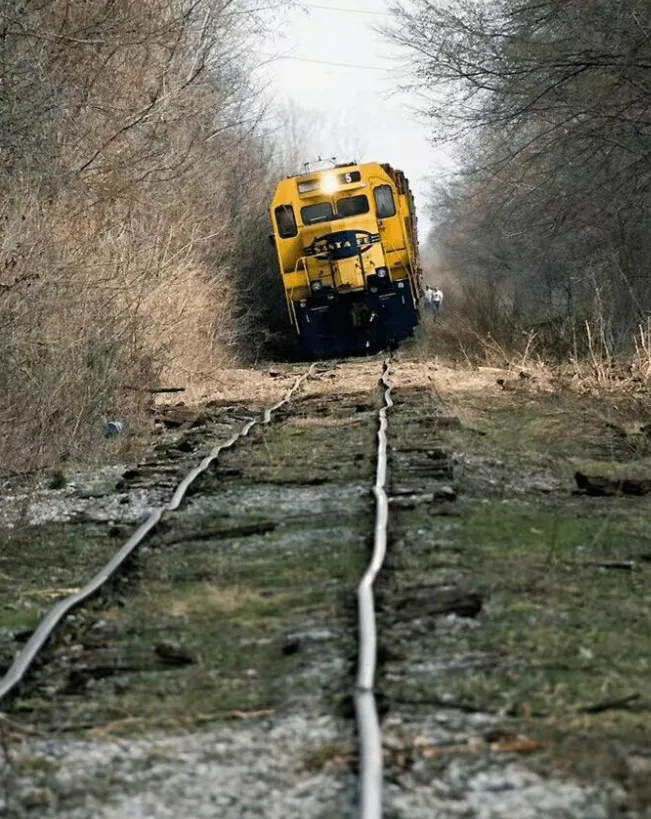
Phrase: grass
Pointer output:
(38, 564)
(565, 582)
(253, 560)
(237, 621)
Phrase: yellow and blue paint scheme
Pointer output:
(348, 254)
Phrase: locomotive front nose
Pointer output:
(343, 259)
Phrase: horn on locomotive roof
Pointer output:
(331, 159)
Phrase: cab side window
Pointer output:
(384, 202)
(286, 221)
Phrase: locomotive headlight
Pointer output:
(316, 286)
(329, 184)
(381, 272)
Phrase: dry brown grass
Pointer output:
(124, 216)
(592, 367)
(320, 423)
(91, 319)
(225, 599)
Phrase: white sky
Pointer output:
(350, 112)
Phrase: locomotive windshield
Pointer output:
(352, 206)
(321, 212)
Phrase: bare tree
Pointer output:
(549, 105)
(128, 132)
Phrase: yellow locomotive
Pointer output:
(348, 254)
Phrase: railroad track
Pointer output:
(369, 736)
(369, 732)
(238, 661)
(215, 471)
(223, 670)
(420, 472)
(126, 558)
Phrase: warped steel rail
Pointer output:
(36, 642)
(370, 737)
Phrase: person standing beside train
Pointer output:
(433, 300)
(437, 301)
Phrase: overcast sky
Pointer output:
(355, 110)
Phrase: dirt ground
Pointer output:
(513, 611)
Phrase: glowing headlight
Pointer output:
(316, 286)
(381, 272)
(329, 184)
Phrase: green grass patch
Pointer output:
(519, 532)
(563, 628)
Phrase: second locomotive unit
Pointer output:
(348, 254)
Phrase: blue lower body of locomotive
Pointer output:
(334, 323)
